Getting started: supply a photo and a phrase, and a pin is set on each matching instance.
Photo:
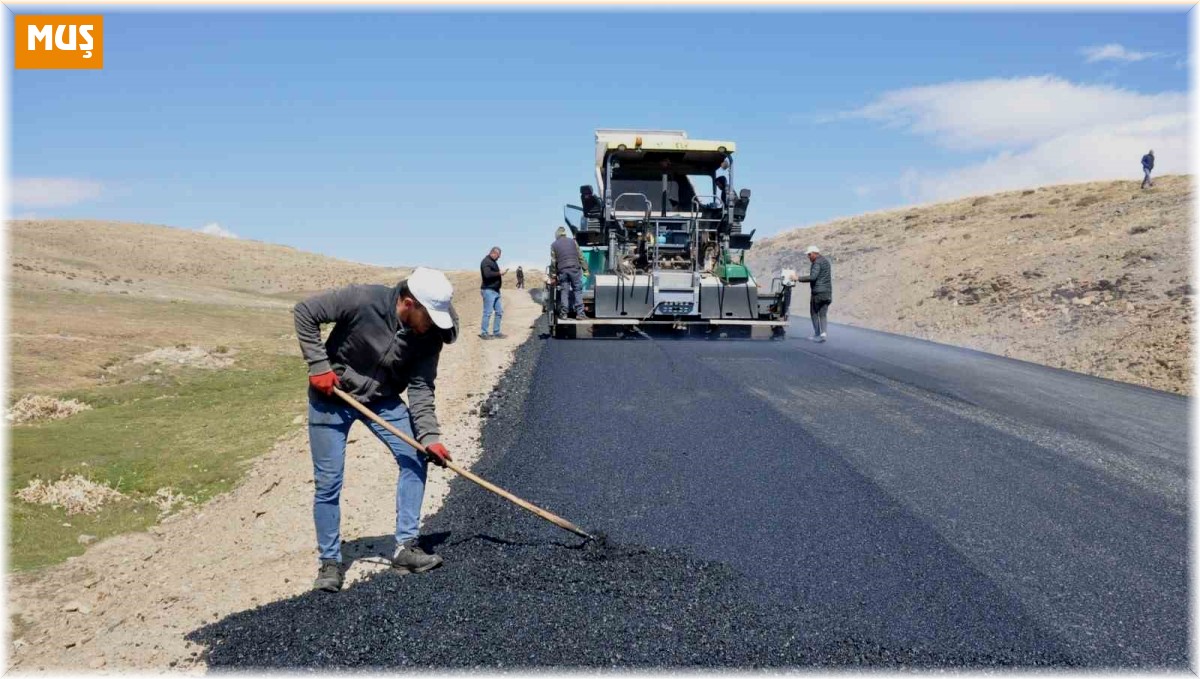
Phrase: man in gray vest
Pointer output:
(820, 278)
(567, 264)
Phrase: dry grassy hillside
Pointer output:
(86, 297)
(1091, 277)
(89, 295)
(162, 262)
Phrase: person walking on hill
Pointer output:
(820, 280)
(385, 340)
(520, 278)
(1147, 168)
(489, 287)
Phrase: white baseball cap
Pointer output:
(432, 289)
(811, 249)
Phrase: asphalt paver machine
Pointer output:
(662, 234)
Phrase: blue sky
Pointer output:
(404, 138)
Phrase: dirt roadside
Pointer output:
(127, 602)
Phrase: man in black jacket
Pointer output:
(1147, 168)
(384, 340)
(820, 278)
(489, 287)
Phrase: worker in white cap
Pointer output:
(385, 339)
(820, 279)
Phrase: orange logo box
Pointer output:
(59, 41)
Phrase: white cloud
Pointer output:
(984, 114)
(43, 192)
(215, 229)
(1089, 154)
(1114, 52)
(1036, 130)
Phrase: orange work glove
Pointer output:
(438, 454)
(325, 382)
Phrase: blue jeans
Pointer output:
(1146, 180)
(328, 424)
(491, 302)
(570, 283)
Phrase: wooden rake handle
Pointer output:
(549, 516)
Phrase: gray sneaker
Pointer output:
(329, 577)
(409, 558)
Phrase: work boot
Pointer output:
(499, 335)
(329, 576)
(484, 335)
(409, 558)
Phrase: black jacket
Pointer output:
(489, 271)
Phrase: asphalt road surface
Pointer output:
(873, 501)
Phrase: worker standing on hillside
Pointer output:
(384, 340)
(568, 267)
(489, 288)
(820, 278)
(1147, 168)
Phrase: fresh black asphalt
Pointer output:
(874, 501)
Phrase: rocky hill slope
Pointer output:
(1091, 277)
